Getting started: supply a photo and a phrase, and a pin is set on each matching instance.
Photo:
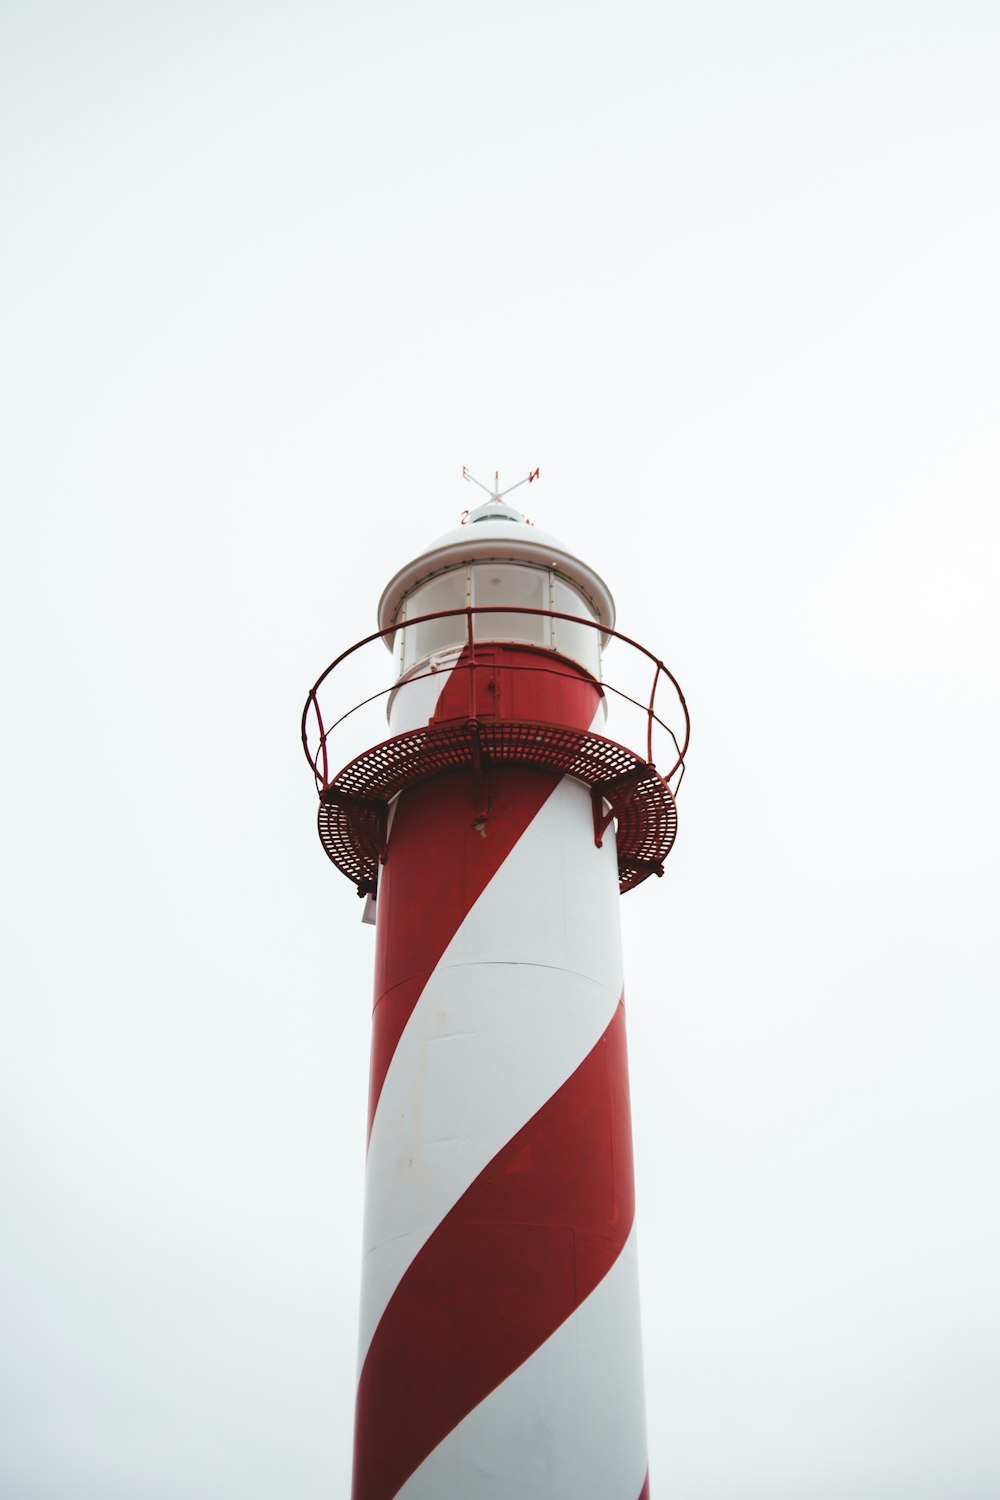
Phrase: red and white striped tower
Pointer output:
(499, 1350)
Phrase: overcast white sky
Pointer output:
(730, 274)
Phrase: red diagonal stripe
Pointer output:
(526, 1244)
(439, 865)
(644, 1492)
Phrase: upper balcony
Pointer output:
(486, 685)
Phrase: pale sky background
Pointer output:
(730, 274)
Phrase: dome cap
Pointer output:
(496, 532)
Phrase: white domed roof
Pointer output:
(496, 532)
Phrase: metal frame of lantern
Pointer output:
(354, 804)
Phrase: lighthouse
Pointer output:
(491, 830)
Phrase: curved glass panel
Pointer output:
(448, 591)
(511, 583)
(575, 641)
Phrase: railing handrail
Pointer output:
(469, 611)
(480, 666)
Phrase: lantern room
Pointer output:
(516, 578)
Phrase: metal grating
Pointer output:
(354, 807)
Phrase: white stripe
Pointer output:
(569, 1421)
(414, 700)
(523, 993)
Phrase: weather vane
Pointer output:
(496, 493)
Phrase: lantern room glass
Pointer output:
(511, 583)
(578, 642)
(522, 586)
(447, 591)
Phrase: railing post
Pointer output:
(326, 757)
(322, 740)
(649, 716)
(470, 647)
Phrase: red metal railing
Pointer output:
(319, 757)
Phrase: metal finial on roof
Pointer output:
(496, 493)
(494, 509)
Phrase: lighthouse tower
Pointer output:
(491, 834)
